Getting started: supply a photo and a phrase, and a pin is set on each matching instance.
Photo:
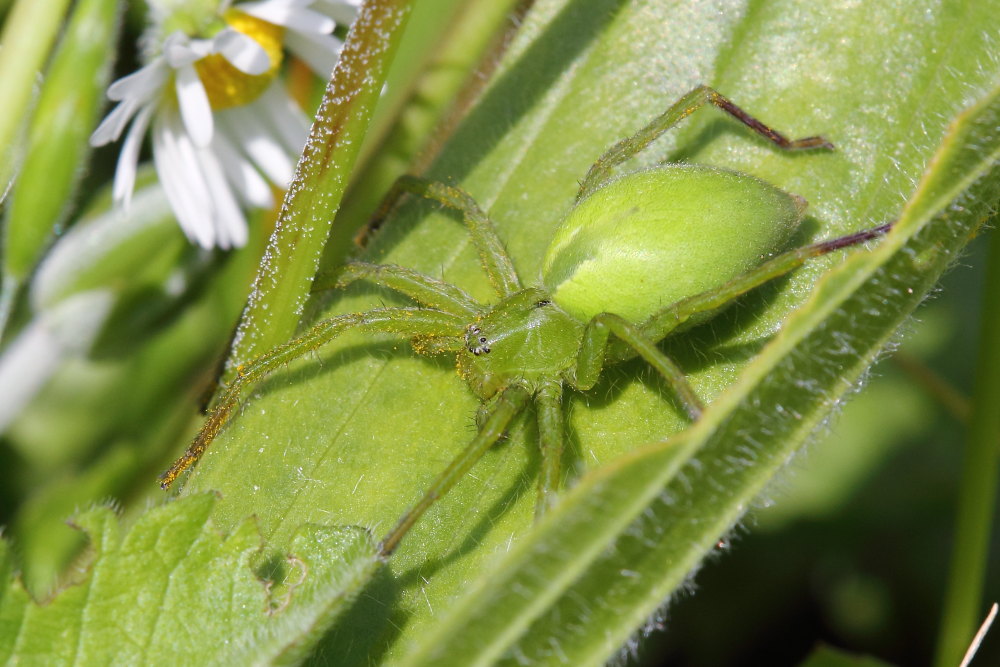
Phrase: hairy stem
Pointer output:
(978, 484)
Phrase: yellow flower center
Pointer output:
(229, 87)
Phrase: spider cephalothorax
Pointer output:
(527, 325)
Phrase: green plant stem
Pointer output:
(978, 484)
(28, 34)
(311, 202)
(27, 37)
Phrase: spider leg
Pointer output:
(669, 319)
(632, 339)
(548, 405)
(678, 111)
(404, 321)
(593, 348)
(423, 289)
(491, 251)
(504, 409)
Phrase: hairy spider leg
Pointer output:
(502, 412)
(423, 289)
(551, 438)
(492, 254)
(670, 318)
(590, 360)
(600, 171)
(631, 339)
(410, 322)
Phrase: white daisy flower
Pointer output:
(223, 129)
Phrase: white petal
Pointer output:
(258, 142)
(342, 11)
(181, 178)
(229, 224)
(247, 181)
(195, 108)
(141, 84)
(243, 52)
(179, 51)
(276, 3)
(286, 118)
(319, 51)
(129, 157)
(111, 127)
(273, 5)
(294, 18)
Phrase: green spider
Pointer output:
(681, 240)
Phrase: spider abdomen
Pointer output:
(654, 237)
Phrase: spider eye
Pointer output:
(543, 303)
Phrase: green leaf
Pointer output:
(356, 432)
(171, 590)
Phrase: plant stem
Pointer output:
(311, 202)
(978, 484)
(28, 34)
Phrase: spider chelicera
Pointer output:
(681, 242)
